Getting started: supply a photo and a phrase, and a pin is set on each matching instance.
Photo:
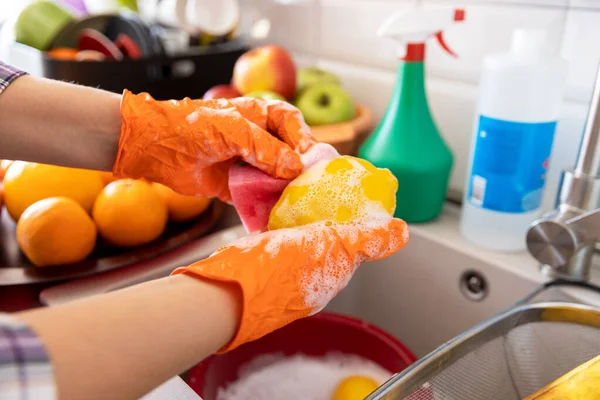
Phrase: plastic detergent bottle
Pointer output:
(407, 141)
(520, 96)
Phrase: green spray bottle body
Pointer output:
(408, 143)
(407, 140)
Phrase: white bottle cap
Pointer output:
(530, 42)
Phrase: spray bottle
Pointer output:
(407, 141)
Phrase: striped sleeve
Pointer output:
(8, 74)
(25, 369)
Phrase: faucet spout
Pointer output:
(588, 225)
(564, 240)
(588, 159)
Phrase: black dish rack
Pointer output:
(165, 77)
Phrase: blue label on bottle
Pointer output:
(510, 164)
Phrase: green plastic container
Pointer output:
(39, 22)
(408, 143)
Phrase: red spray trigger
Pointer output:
(459, 15)
(440, 38)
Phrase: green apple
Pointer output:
(313, 75)
(264, 94)
(326, 103)
(131, 4)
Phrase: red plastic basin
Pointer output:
(314, 336)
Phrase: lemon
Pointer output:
(341, 190)
(354, 388)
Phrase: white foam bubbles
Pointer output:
(250, 241)
(192, 117)
(318, 152)
(284, 237)
(298, 377)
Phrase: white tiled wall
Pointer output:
(340, 35)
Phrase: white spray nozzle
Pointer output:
(417, 26)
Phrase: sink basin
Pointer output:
(416, 294)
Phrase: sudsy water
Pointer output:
(298, 377)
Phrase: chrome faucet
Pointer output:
(564, 240)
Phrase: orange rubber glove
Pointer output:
(189, 145)
(288, 274)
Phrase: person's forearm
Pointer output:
(59, 123)
(123, 344)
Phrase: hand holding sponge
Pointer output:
(335, 215)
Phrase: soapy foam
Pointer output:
(285, 160)
(283, 238)
(219, 113)
(306, 141)
(248, 242)
(320, 286)
(318, 152)
(192, 117)
(317, 170)
(298, 377)
(251, 159)
(275, 102)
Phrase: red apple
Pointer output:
(265, 68)
(221, 92)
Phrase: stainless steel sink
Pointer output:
(429, 292)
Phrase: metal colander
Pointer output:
(509, 356)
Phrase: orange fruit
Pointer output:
(62, 53)
(181, 208)
(4, 164)
(25, 183)
(55, 231)
(129, 213)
